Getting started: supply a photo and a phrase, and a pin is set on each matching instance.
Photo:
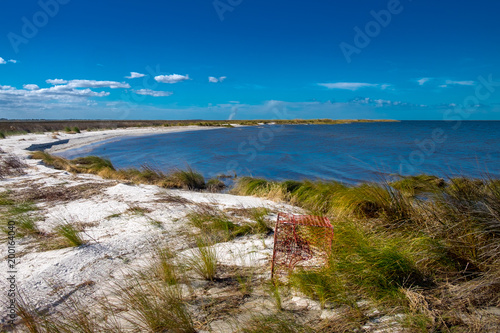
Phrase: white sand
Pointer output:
(118, 241)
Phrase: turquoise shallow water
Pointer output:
(350, 153)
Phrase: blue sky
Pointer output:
(242, 59)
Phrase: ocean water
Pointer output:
(350, 153)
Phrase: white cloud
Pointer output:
(174, 78)
(154, 93)
(423, 81)
(213, 79)
(460, 83)
(31, 87)
(96, 84)
(351, 85)
(135, 75)
(32, 93)
(56, 81)
(383, 103)
(3, 61)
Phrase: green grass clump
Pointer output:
(54, 161)
(373, 266)
(70, 233)
(333, 198)
(22, 207)
(204, 261)
(26, 225)
(215, 185)
(276, 323)
(92, 164)
(374, 201)
(261, 225)
(5, 199)
(76, 129)
(188, 179)
(417, 185)
(213, 223)
(259, 187)
(318, 197)
(2, 135)
(156, 307)
(164, 266)
(21, 217)
(221, 227)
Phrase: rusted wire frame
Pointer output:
(295, 247)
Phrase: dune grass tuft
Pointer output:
(156, 307)
(164, 266)
(276, 323)
(92, 164)
(70, 233)
(186, 179)
(221, 227)
(376, 268)
(203, 260)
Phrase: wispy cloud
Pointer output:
(174, 78)
(383, 102)
(62, 91)
(31, 87)
(135, 75)
(213, 79)
(96, 84)
(154, 93)
(423, 80)
(88, 83)
(32, 92)
(460, 83)
(56, 81)
(352, 85)
(3, 61)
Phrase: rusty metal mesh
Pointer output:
(300, 240)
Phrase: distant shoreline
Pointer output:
(72, 134)
(98, 136)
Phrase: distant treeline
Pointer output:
(9, 127)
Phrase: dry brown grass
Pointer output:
(11, 165)
(60, 193)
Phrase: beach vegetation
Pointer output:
(277, 322)
(203, 260)
(70, 233)
(164, 266)
(11, 165)
(156, 307)
(92, 164)
(222, 227)
(423, 246)
(215, 185)
(70, 126)
(186, 179)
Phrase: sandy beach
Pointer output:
(121, 227)
(119, 241)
